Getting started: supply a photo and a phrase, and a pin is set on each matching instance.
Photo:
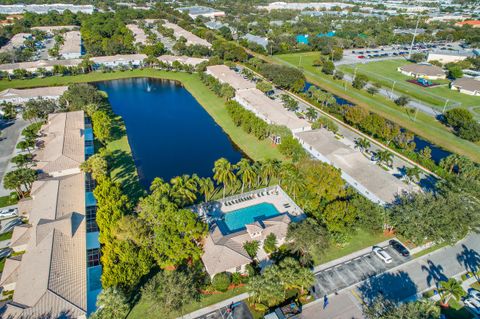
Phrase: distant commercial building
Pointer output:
(72, 45)
(20, 96)
(425, 71)
(261, 41)
(16, 42)
(200, 11)
(45, 8)
(192, 39)
(304, 5)
(409, 31)
(447, 17)
(449, 56)
(472, 23)
(365, 176)
(468, 86)
(59, 271)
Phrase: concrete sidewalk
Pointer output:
(214, 307)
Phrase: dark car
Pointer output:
(399, 248)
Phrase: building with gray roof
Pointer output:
(201, 11)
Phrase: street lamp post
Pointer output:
(393, 86)
(445, 106)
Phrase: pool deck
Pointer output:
(273, 195)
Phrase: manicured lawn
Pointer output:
(6, 236)
(7, 201)
(214, 105)
(359, 240)
(2, 263)
(424, 125)
(385, 73)
(144, 310)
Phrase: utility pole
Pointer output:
(393, 86)
(413, 38)
(445, 106)
(355, 72)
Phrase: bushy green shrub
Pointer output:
(221, 281)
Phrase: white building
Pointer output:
(467, 86)
(304, 5)
(449, 56)
(20, 96)
(113, 61)
(45, 8)
(200, 11)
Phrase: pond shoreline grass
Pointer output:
(425, 125)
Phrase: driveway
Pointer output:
(10, 134)
(353, 271)
(240, 311)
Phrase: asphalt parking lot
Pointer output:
(353, 271)
(240, 311)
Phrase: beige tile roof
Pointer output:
(138, 33)
(51, 29)
(21, 235)
(119, 57)
(15, 42)
(423, 69)
(225, 75)
(182, 59)
(467, 84)
(191, 38)
(271, 109)
(11, 270)
(52, 274)
(377, 181)
(63, 141)
(34, 65)
(35, 93)
(72, 43)
(224, 252)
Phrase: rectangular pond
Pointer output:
(169, 132)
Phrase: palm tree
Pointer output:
(311, 114)
(448, 289)
(184, 188)
(412, 174)
(206, 187)
(223, 173)
(384, 157)
(363, 144)
(246, 172)
(294, 182)
(269, 170)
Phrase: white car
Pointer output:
(382, 254)
(473, 305)
(475, 294)
(8, 212)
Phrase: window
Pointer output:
(238, 269)
(91, 213)
(88, 143)
(89, 183)
(93, 257)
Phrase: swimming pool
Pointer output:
(237, 219)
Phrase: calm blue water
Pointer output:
(169, 132)
(237, 219)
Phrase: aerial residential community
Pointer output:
(240, 159)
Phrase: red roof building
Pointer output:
(472, 23)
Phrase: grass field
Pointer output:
(7, 201)
(385, 73)
(424, 125)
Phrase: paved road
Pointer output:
(10, 133)
(240, 311)
(405, 282)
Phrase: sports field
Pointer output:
(424, 125)
(385, 73)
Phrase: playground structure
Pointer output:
(422, 82)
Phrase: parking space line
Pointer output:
(370, 265)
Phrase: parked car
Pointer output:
(475, 294)
(473, 305)
(361, 57)
(402, 250)
(8, 212)
(382, 254)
